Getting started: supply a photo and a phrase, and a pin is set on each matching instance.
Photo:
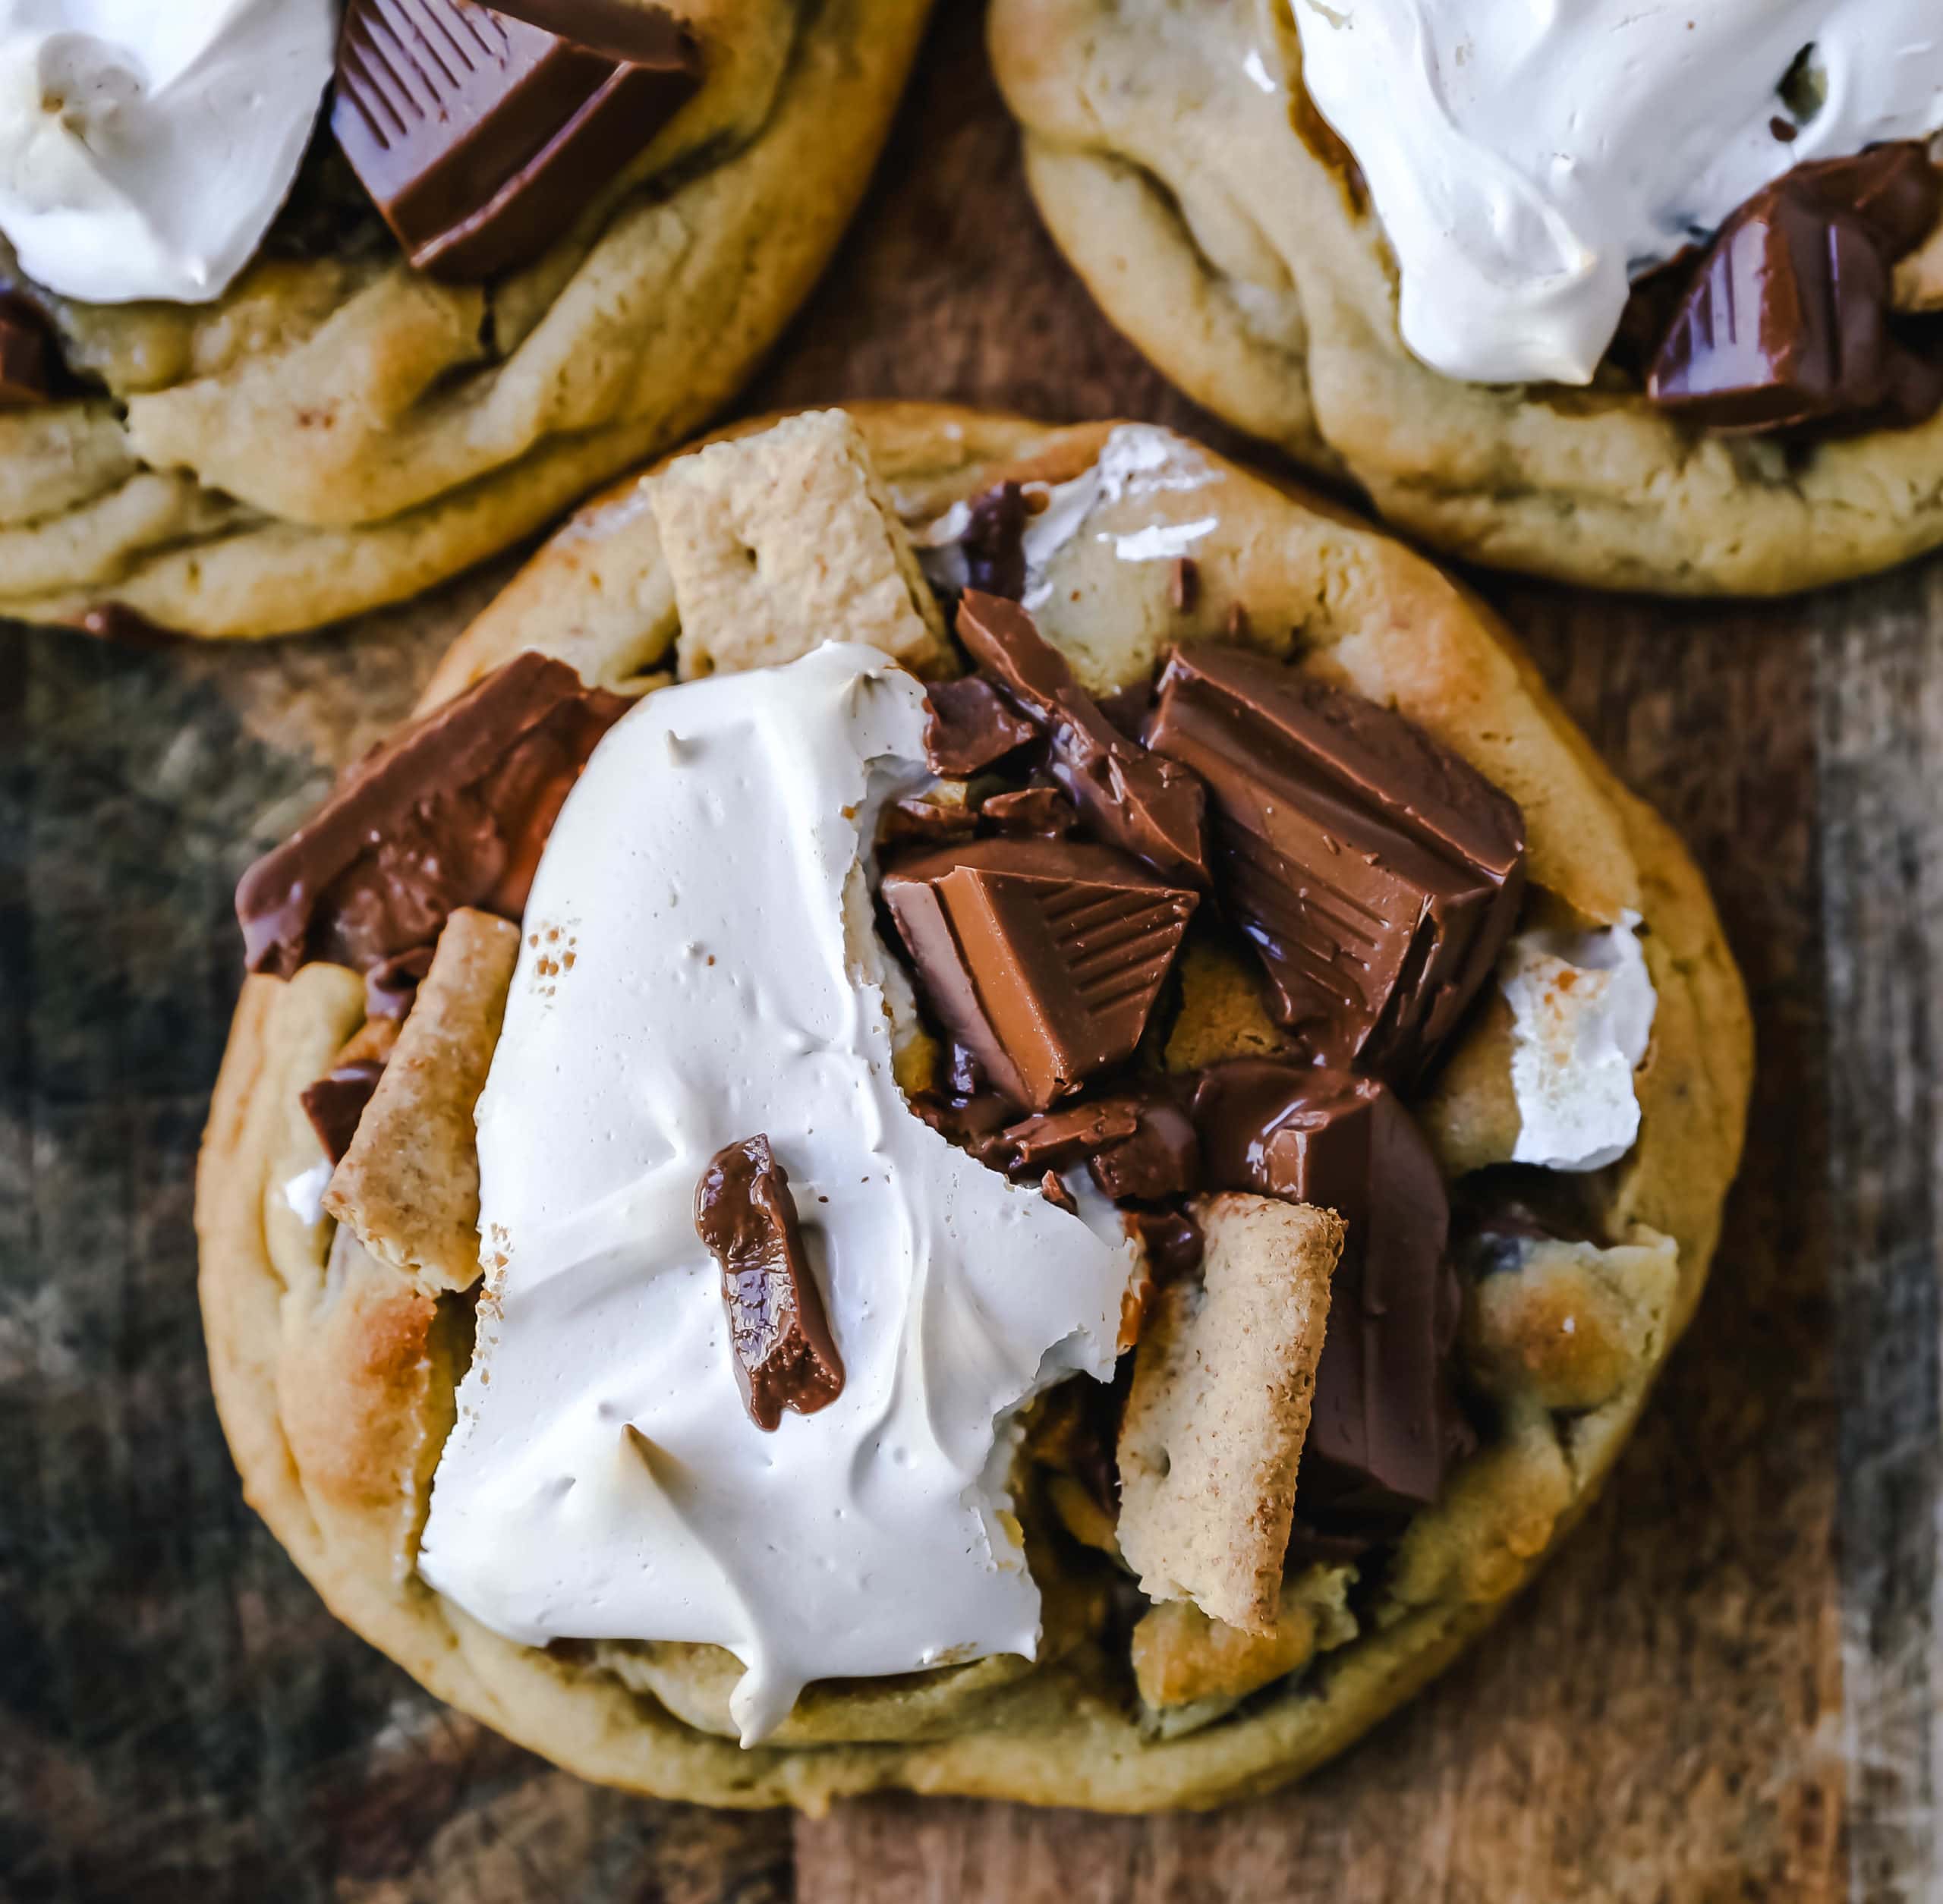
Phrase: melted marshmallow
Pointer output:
(146, 145)
(1136, 460)
(1582, 1009)
(1525, 159)
(701, 964)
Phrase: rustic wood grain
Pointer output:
(1725, 1688)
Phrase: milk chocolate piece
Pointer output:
(1139, 1147)
(915, 821)
(993, 543)
(1375, 873)
(336, 1102)
(453, 812)
(1037, 811)
(1384, 1423)
(27, 362)
(1145, 807)
(970, 726)
(481, 137)
(1171, 1239)
(1043, 957)
(1788, 321)
(785, 1356)
(624, 31)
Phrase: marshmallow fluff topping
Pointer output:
(700, 965)
(146, 145)
(1527, 160)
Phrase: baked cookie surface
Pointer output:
(339, 430)
(1182, 168)
(335, 1367)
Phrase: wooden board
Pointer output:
(1726, 1688)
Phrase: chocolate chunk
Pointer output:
(970, 726)
(128, 627)
(917, 822)
(1137, 1146)
(623, 30)
(1036, 810)
(968, 1118)
(481, 137)
(993, 543)
(1056, 1192)
(27, 360)
(334, 1103)
(785, 1356)
(1171, 1239)
(1042, 958)
(453, 812)
(1127, 707)
(1147, 808)
(1385, 1422)
(1184, 584)
(1787, 318)
(1375, 873)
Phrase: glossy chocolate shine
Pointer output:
(1787, 320)
(785, 1356)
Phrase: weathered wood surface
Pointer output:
(1726, 1688)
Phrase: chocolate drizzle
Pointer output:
(785, 1356)
(453, 812)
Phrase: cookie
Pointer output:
(1428, 313)
(417, 360)
(1355, 1422)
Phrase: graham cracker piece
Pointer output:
(779, 542)
(408, 1187)
(1222, 1381)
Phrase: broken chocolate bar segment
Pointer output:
(970, 727)
(1146, 806)
(26, 360)
(785, 1356)
(632, 32)
(335, 1102)
(1787, 320)
(453, 812)
(1042, 958)
(1139, 1147)
(993, 543)
(1375, 873)
(481, 137)
(1385, 1424)
(1040, 810)
(1172, 1240)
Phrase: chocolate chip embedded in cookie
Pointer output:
(1122, 1427)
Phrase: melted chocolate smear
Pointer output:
(1786, 321)
(993, 544)
(28, 361)
(1042, 958)
(785, 1356)
(1145, 806)
(454, 811)
(335, 1104)
(1375, 873)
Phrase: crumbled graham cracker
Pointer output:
(779, 542)
(1223, 1382)
(408, 1186)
